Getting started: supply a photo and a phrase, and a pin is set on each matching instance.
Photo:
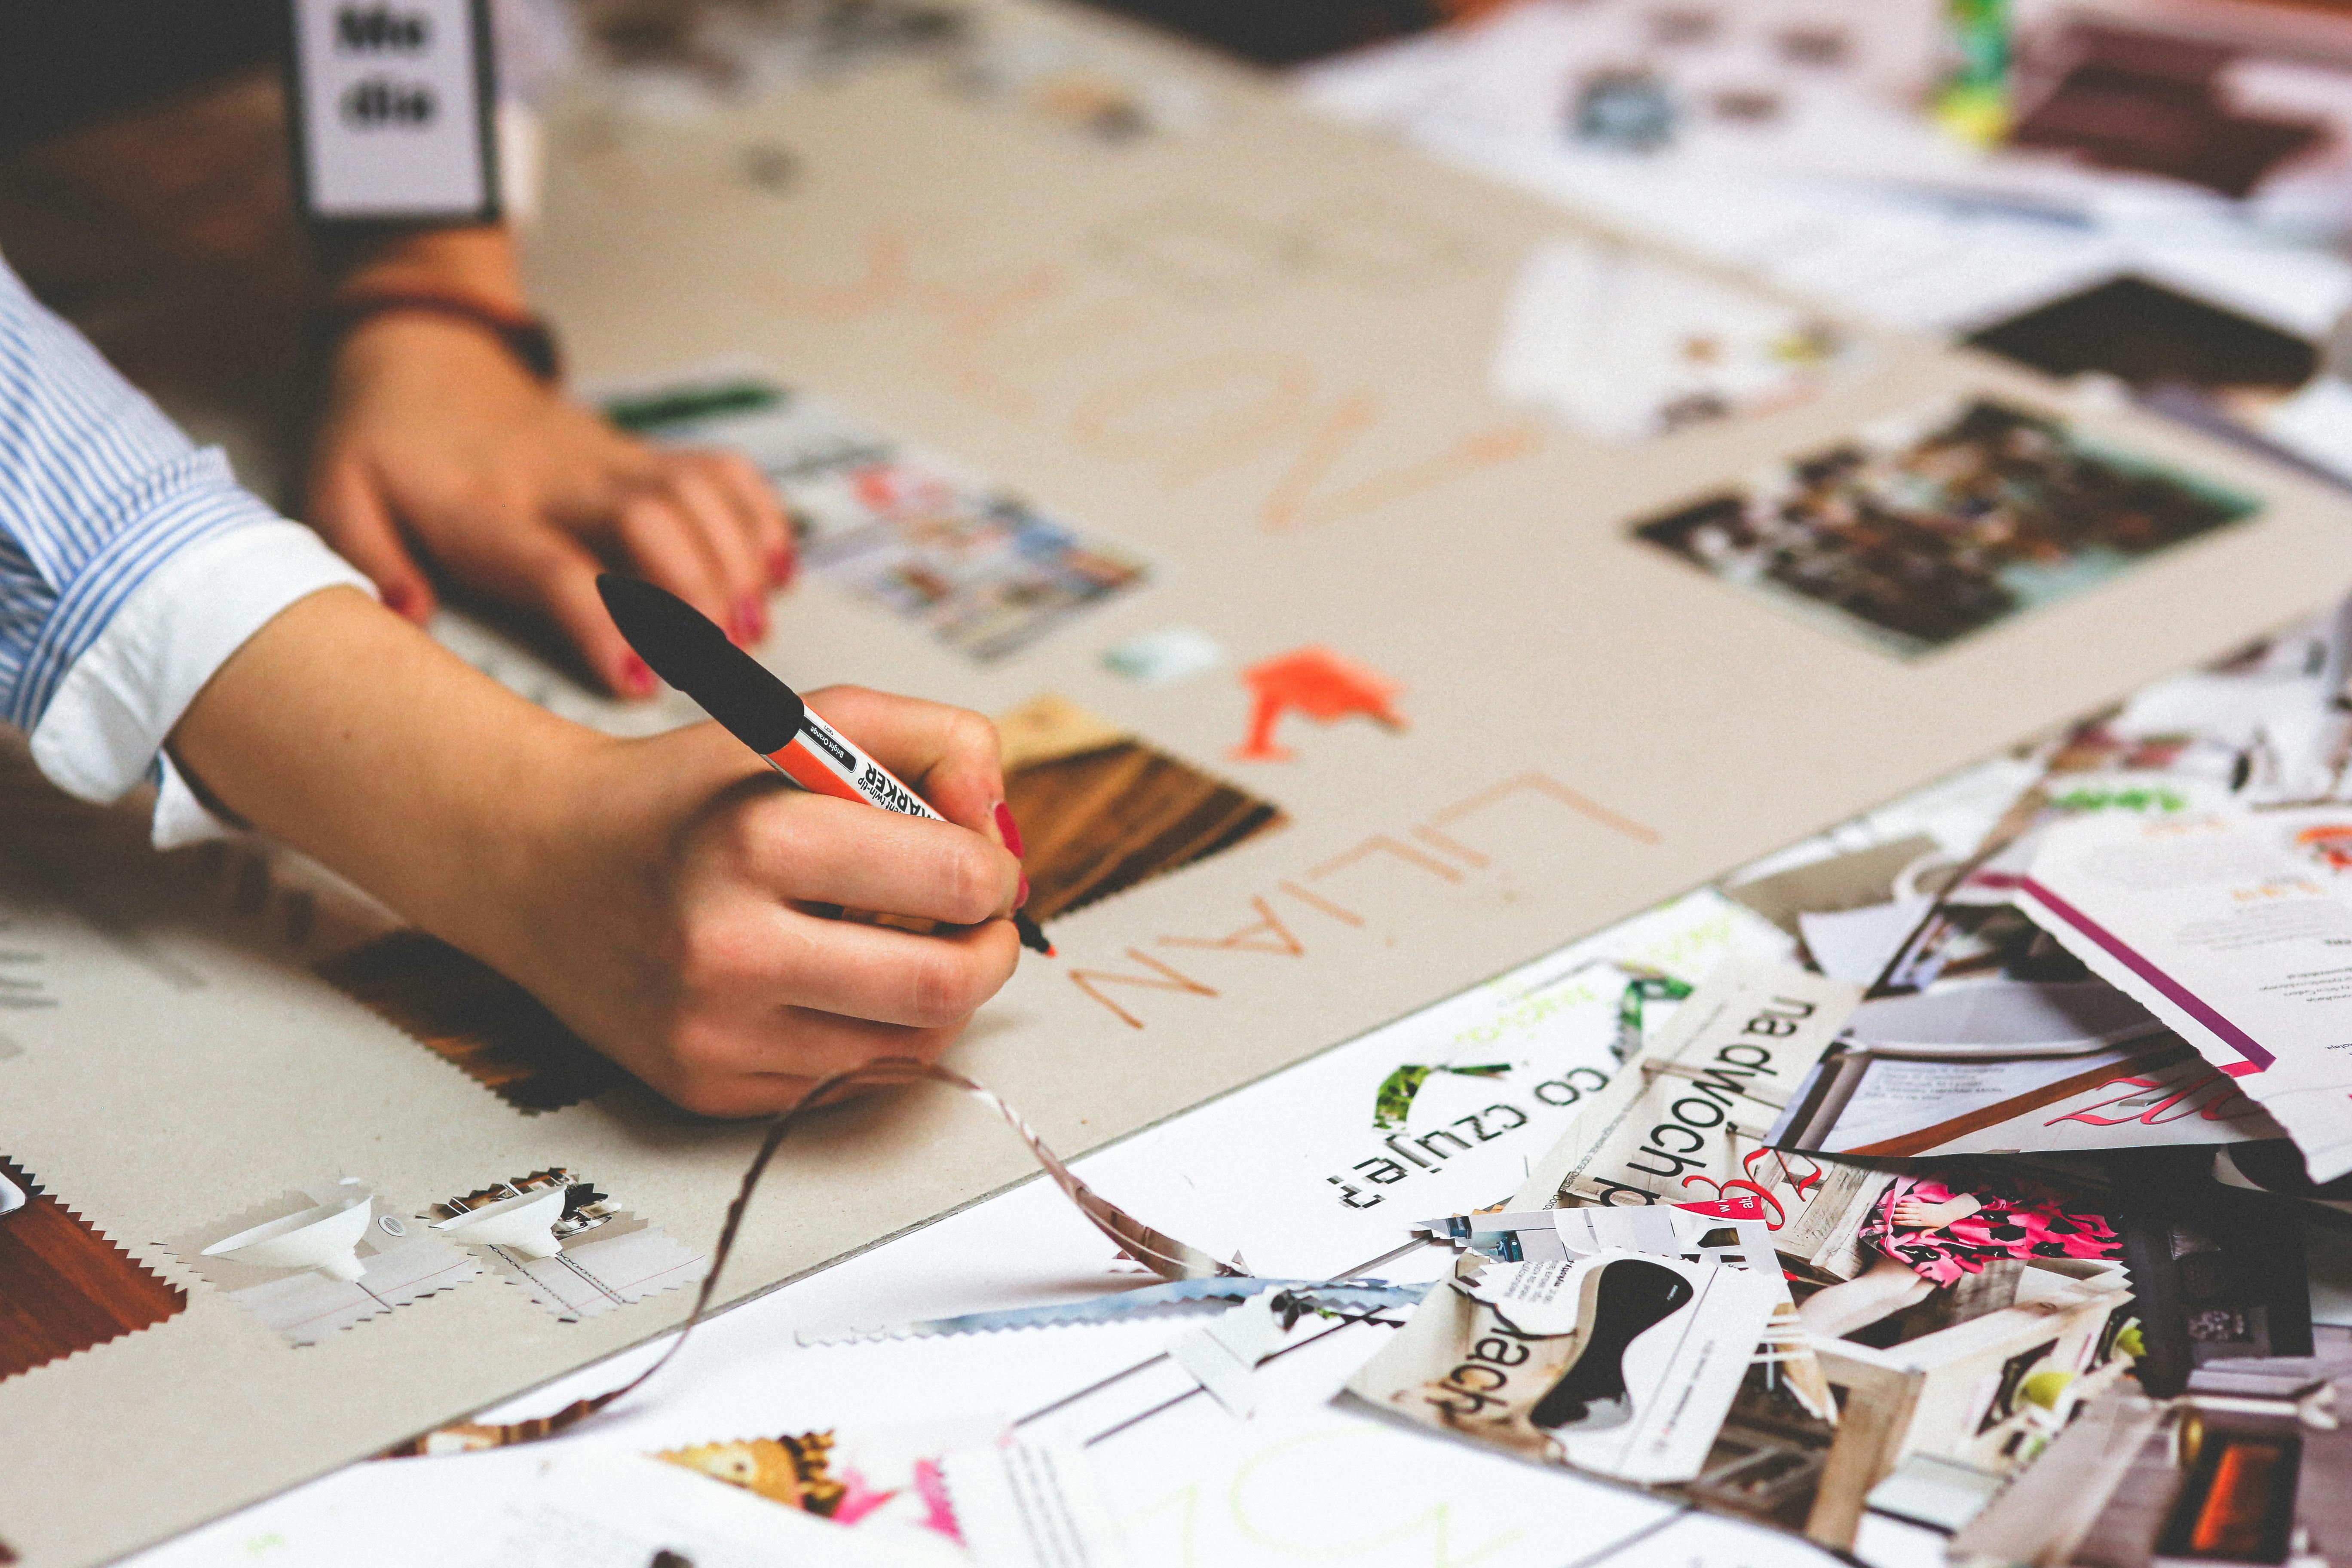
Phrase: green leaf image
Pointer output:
(1393, 1102)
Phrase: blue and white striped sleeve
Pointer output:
(131, 565)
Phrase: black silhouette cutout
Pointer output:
(1626, 1297)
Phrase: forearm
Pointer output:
(345, 731)
(654, 894)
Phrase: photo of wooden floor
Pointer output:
(63, 1286)
(475, 1017)
(1101, 811)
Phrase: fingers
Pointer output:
(948, 755)
(795, 1050)
(353, 518)
(771, 531)
(823, 997)
(870, 972)
(559, 577)
(705, 526)
(661, 542)
(816, 849)
(727, 547)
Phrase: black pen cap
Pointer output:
(686, 650)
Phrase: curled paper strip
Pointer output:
(1162, 1253)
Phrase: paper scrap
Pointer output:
(1320, 684)
(1858, 944)
(1102, 810)
(1623, 1363)
(983, 571)
(2216, 926)
(322, 1259)
(1170, 1296)
(599, 1510)
(1001, 1501)
(1686, 1119)
(1861, 1103)
(1221, 1355)
(1731, 1232)
(586, 1256)
(1165, 657)
(1925, 530)
(1832, 882)
(1622, 345)
(1048, 728)
(1393, 1102)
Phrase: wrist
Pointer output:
(477, 261)
(354, 325)
(468, 277)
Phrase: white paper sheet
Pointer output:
(2220, 929)
(1855, 944)
(1622, 346)
(614, 1511)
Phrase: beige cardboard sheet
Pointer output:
(1254, 353)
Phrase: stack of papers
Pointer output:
(2017, 1134)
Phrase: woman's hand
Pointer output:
(1911, 1213)
(680, 925)
(659, 895)
(438, 448)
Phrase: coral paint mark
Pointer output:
(1321, 685)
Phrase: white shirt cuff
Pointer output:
(104, 729)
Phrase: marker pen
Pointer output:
(686, 650)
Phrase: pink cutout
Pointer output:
(932, 1488)
(857, 1499)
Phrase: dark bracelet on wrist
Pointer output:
(526, 337)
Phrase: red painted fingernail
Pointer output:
(635, 679)
(1009, 830)
(1021, 896)
(751, 620)
(779, 566)
(399, 599)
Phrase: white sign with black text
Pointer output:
(394, 99)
